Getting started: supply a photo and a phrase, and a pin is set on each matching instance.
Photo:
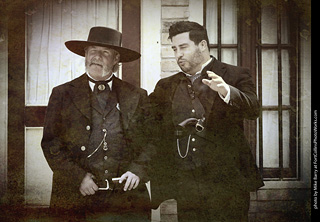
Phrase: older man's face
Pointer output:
(100, 61)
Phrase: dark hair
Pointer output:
(197, 32)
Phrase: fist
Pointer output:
(88, 186)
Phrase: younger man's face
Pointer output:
(187, 53)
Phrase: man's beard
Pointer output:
(192, 63)
(105, 70)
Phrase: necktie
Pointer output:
(101, 90)
(194, 77)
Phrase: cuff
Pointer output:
(226, 99)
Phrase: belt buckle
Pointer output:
(107, 187)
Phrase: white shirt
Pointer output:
(225, 99)
(91, 84)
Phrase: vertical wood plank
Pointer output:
(131, 39)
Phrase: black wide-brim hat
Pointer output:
(106, 37)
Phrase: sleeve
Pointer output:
(141, 135)
(243, 97)
(57, 154)
(226, 99)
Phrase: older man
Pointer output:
(93, 136)
(203, 159)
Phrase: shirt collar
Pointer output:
(91, 84)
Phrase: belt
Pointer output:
(108, 186)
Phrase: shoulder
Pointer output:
(129, 87)
(230, 73)
(165, 87)
(79, 81)
(233, 68)
(171, 78)
(169, 81)
(230, 68)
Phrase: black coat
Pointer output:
(67, 132)
(226, 158)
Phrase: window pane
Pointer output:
(270, 139)
(286, 138)
(285, 77)
(269, 24)
(212, 21)
(229, 56)
(285, 26)
(49, 62)
(229, 22)
(214, 52)
(269, 77)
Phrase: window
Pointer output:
(49, 26)
(277, 68)
(275, 49)
(221, 22)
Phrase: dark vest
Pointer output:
(187, 104)
(107, 144)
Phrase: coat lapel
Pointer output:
(128, 100)
(80, 93)
(175, 83)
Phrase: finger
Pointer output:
(220, 85)
(206, 81)
(123, 177)
(137, 183)
(132, 183)
(126, 186)
(210, 72)
(91, 191)
(211, 83)
(86, 191)
(217, 81)
(212, 75)
(95, 186)
(82, 192)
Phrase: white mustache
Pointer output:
(95, 63)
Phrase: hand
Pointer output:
(88, 186)
(216, 83)
(132, 181)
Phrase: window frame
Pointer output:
(293, 172)
(249, 50)
(219, 46)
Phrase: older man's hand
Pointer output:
(88, 186)
(132, 181)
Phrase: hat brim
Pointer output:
(126, 55)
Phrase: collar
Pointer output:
(91, 84)
(202, 67)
